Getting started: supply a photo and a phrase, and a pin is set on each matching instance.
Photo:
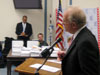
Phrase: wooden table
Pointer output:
(24, 68)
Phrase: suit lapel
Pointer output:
(75, 41)
(21, 26)
(26, 27)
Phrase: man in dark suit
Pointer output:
(82, 57)
(24, 30)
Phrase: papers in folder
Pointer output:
(45, 67)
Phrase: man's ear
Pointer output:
(74, 25)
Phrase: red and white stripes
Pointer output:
(98, 29)
(59, 28)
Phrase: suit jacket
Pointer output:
(28, 29)
(82, 57)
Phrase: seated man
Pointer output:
(41, 41)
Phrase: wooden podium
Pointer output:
(24, 68)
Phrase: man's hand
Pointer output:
(61, 55)
(23, 34)
(26, 35)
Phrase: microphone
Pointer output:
(46, 51)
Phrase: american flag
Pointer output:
(59, 26)
(98, 22)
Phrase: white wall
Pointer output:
(9, 17)
(80, 3)
(87, 3)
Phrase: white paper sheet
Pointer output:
(53, 55)
(35, 53)
(55, 61)
(56, 49)
(45, 67)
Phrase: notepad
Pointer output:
(45, 67)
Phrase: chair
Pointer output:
(7, 47)
(2, 63)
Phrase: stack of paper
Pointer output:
(35, 52)
(31, 50)
(54, 54)
(44, 47)
(17, 43)
(30, 44)
(25, 51)
(16, 51)
(16, 47)
(56, 49)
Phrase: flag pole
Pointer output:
(45, 21)
(70, 2)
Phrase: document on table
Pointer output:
(55, 61)
(45, 67)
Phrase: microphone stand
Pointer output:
(36, 72)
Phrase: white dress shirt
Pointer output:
(76, 33)
(24, 26)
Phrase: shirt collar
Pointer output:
(76, 33)
(23, 23)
